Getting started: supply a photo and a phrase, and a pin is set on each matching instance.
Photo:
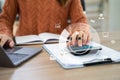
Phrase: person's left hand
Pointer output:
(79, 34)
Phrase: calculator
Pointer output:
(83, 50)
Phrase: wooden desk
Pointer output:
(42, 68)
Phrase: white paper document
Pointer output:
(68, 60)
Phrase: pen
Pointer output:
(104, 61)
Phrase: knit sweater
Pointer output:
(37, 16)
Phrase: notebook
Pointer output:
(68, 60)
(37, 39)
(17, 55)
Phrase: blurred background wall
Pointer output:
(108, 9)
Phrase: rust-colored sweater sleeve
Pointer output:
(76, 12)
(7, 17)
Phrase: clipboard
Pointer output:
(68, 61)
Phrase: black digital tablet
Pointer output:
(83, 50)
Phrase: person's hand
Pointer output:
(4, 39)
(79, 34)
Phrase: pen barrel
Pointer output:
(98, 62)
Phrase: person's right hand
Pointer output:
(79, 34)
(5, 39)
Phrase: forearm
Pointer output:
(76, 12)
(7, 17)
(5, 30)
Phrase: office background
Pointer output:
(110, 10)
